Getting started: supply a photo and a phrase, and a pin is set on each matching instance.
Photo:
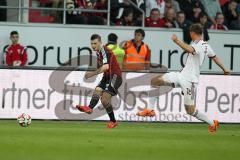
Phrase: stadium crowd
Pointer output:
(213, 14)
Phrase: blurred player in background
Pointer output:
(111, 81)
(188, 78)
(16, 54)
(116, 49)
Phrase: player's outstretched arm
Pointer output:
(184, 46)
(217, 60)
(100, 70)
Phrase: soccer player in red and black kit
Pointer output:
(111, 81)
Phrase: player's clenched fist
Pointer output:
(174, 37)
(88, 75)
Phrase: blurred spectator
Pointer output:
(137, 53)
(203, 19)
(191, 8)
(16, 54)
(159, 4)
(219, 23)
(138, 15)
(116, 49)
(127, 18)
(154, 20)
(53, 4)
(101, 5)
(235, 25)
(79, 17)
(212, 7)
(117, 8)
(99, 18)
(93, 18)
(169, 18)
(3, 12)
(73, 16)
(172, 4)
(57, 14)
(184, 25)
(230, 12)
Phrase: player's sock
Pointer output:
(110, 112)
(94, 101)
(152, 103)
(153, 97)
(202, 117)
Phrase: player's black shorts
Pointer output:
(110, 84)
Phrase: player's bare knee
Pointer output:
(157, 81)
(153, 81)
(190, 109)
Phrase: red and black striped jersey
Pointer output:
(106, 56)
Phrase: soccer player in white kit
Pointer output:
(188, 78)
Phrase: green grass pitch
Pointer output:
(71, 140)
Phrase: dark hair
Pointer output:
(141, 31)
(126, 12)
(155, 9)
(112, 38)
(202, 14)
(13, 32)
(95, 36)
(232, 1)
(196, 28)
(167, 1)
(217, 14)
(180, 12)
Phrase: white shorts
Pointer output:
(188, 88)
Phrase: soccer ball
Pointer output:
(24, 120)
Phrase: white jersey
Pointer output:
(194, 61)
